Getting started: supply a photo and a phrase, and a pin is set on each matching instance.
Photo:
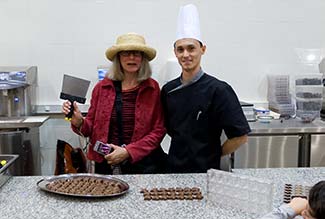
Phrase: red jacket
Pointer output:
(149, 127)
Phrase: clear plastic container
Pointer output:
(278, 79)
(280, 99)
(309, 79)
(261, 112)
(278, 89)
(308, 92)
(312, 91)
(283, 109)
(306, 104)
(308, 116)
(240, 192)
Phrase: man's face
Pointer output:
(188, 51)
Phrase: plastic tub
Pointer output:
(307, 116)
(306, 104)
(309, 79)
(315, 91)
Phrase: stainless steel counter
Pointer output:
(287, 127)
(292, 127)
(22, 122)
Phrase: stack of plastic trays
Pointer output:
(252, 195)
(279, 96)
(309, 96)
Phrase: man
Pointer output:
(197, 108)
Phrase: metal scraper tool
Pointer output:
(74, 89)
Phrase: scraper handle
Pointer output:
(69, 115)
(71, 98)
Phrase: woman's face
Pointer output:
(130, 61)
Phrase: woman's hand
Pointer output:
(118, 155)
(77, 117)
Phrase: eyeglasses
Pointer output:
(133, 52)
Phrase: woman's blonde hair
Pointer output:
(116, 72)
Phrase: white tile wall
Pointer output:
(245, 39)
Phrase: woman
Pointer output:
(142, 118)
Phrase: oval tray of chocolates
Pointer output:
(84, 185)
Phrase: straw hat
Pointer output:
(128, 42)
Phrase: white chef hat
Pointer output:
(188, 25)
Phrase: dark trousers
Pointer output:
(103, 168)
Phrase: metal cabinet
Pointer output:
(25, 143)
(277, 151)
(267, 152)
(317, 151)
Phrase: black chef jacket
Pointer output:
(195, 116)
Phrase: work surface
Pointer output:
(21, 198)
(287, 127)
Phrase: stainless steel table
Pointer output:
(291, 127)
(20, 135)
